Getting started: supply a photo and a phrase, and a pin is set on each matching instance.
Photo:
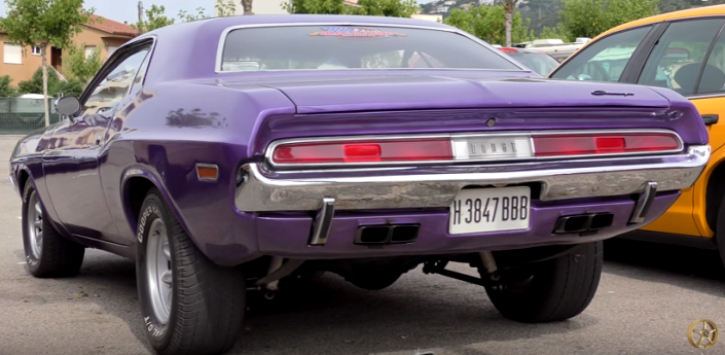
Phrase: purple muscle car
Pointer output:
(237, 153)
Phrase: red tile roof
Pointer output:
(109, 26)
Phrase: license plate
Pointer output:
(490, 210)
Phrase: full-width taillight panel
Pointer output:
(496, 147)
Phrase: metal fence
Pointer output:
(21, 115)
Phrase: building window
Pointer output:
(111, 50)
(12, 54)
(89, 51)
(36, 50)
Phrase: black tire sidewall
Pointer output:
(159, 335)
(33, 263)
(557, 285)
(720, 230)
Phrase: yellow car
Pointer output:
(684, 51)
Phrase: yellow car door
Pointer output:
(689, 58)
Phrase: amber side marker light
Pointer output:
(207, 172)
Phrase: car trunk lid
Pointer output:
(385, 93)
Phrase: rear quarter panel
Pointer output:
(161, 134)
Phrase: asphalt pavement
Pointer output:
(648, 296)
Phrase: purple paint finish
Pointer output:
(288, 236)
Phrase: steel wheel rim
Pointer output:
(159, 270)
(35, 225)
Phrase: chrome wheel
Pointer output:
(35, 225)
(158, 266)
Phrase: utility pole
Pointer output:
(140, 17)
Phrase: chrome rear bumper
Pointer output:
(559, 181)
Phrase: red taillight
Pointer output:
(508, 50)
(362, 152)
(556, 145)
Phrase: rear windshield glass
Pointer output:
(354, 47)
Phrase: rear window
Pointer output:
(354, 47)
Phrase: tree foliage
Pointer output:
(223, 8)
(488, 24)
(390, 8)
(589, 18)
(6, 89)
(42, 23)
(34, 85)
(56, 86)
(155, 18)
(328, 7)
(77, 66)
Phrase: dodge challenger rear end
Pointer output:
(272, 148)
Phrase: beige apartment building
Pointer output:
(20, 63)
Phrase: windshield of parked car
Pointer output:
(354, 47)
(538, 62)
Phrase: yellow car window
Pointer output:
(680, 54)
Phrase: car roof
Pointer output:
(713, 10)
(241, 20)
(192, 42)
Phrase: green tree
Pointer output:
(155, 18)
(37, 83)
(389, 8)
(228, 8)
(589, 18)
(223, 9)
(42, 23)
(6, 90)
(77, 66)
(329, 7)
(488, 24)
(70, 87)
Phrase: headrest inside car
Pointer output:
(713, 79)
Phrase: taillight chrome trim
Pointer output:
(269, 161)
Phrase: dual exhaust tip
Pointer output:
(585, 223)
(407, 233)
(387, 234)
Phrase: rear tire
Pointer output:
(189, 304)
(47, 253)
(558, 289)
(720, 231)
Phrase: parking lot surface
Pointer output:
(648, 296)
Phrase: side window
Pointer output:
(115, 86)
(140, 76)
(676, 60)
(603, 60)
(713, 77)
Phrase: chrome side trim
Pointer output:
(644, 201)
(225, 33)
(323, 222)
(367, 190)
(301, 167)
